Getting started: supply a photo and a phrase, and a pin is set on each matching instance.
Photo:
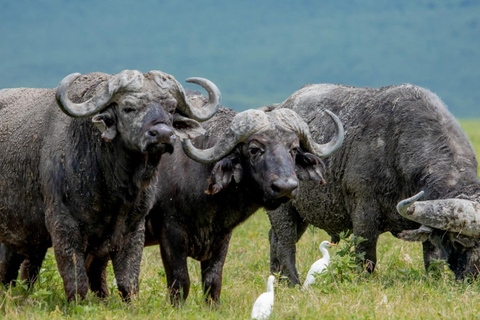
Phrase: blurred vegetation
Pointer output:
(257, 52)
(472, 128)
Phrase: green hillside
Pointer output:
(257, 52)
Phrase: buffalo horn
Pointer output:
(293, 121)
(453, 215)
(243, 125)
(84, 109)
(206, 111)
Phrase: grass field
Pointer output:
(398, 289)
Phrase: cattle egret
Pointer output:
(264, 304)
(319, 265)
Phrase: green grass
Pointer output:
(398, 289)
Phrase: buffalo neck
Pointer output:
(181, 188)
(126, 173)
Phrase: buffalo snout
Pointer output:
(160, 136)
(161, 133)
(284, 188)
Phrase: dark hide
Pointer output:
(83, 185)
(199, 205)
(462, 253)
(398, 140)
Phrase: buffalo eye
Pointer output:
(254, 151)
(293, 152)
(128, 110)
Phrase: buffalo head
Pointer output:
(263, 149)
(451, 225)
(145, 110)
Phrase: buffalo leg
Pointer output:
(367, 229)
(212, 270)
(431, 252)
(69, 247)
(97, 275)
(174, 260)
(126, 261)
(71, 266)
(287, 227)
(31, 267)
(10, 262)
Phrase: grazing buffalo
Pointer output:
(244, 162)
(398, 140)
(83, 179)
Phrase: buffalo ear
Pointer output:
(309, 167)
(105, 122)
(421, 234)
(465, 241)
(186, 128)
(223, 172)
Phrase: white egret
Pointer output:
(319, 265)
(262, 308)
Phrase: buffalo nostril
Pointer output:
(284, 187)
(152, 133)
(160, 132)
(275, 188)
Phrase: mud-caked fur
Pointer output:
(63, 182)
(398, 140)
(198, 205)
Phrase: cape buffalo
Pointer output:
(82, 179)
(398, 140)
(245, 161)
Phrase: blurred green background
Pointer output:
(257, 52)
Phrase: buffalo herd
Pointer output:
(82, 170)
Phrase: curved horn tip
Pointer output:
(330, 112)
(70, 78)
(337, 142)
(201, 81)
(207, 85)
(336, 119)
(403, 205)
(193, 80)
(61, 93)
(78, 110)
(193, 153)
(213, 104)
(341, 129)
(418, 196)
(198, 80)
